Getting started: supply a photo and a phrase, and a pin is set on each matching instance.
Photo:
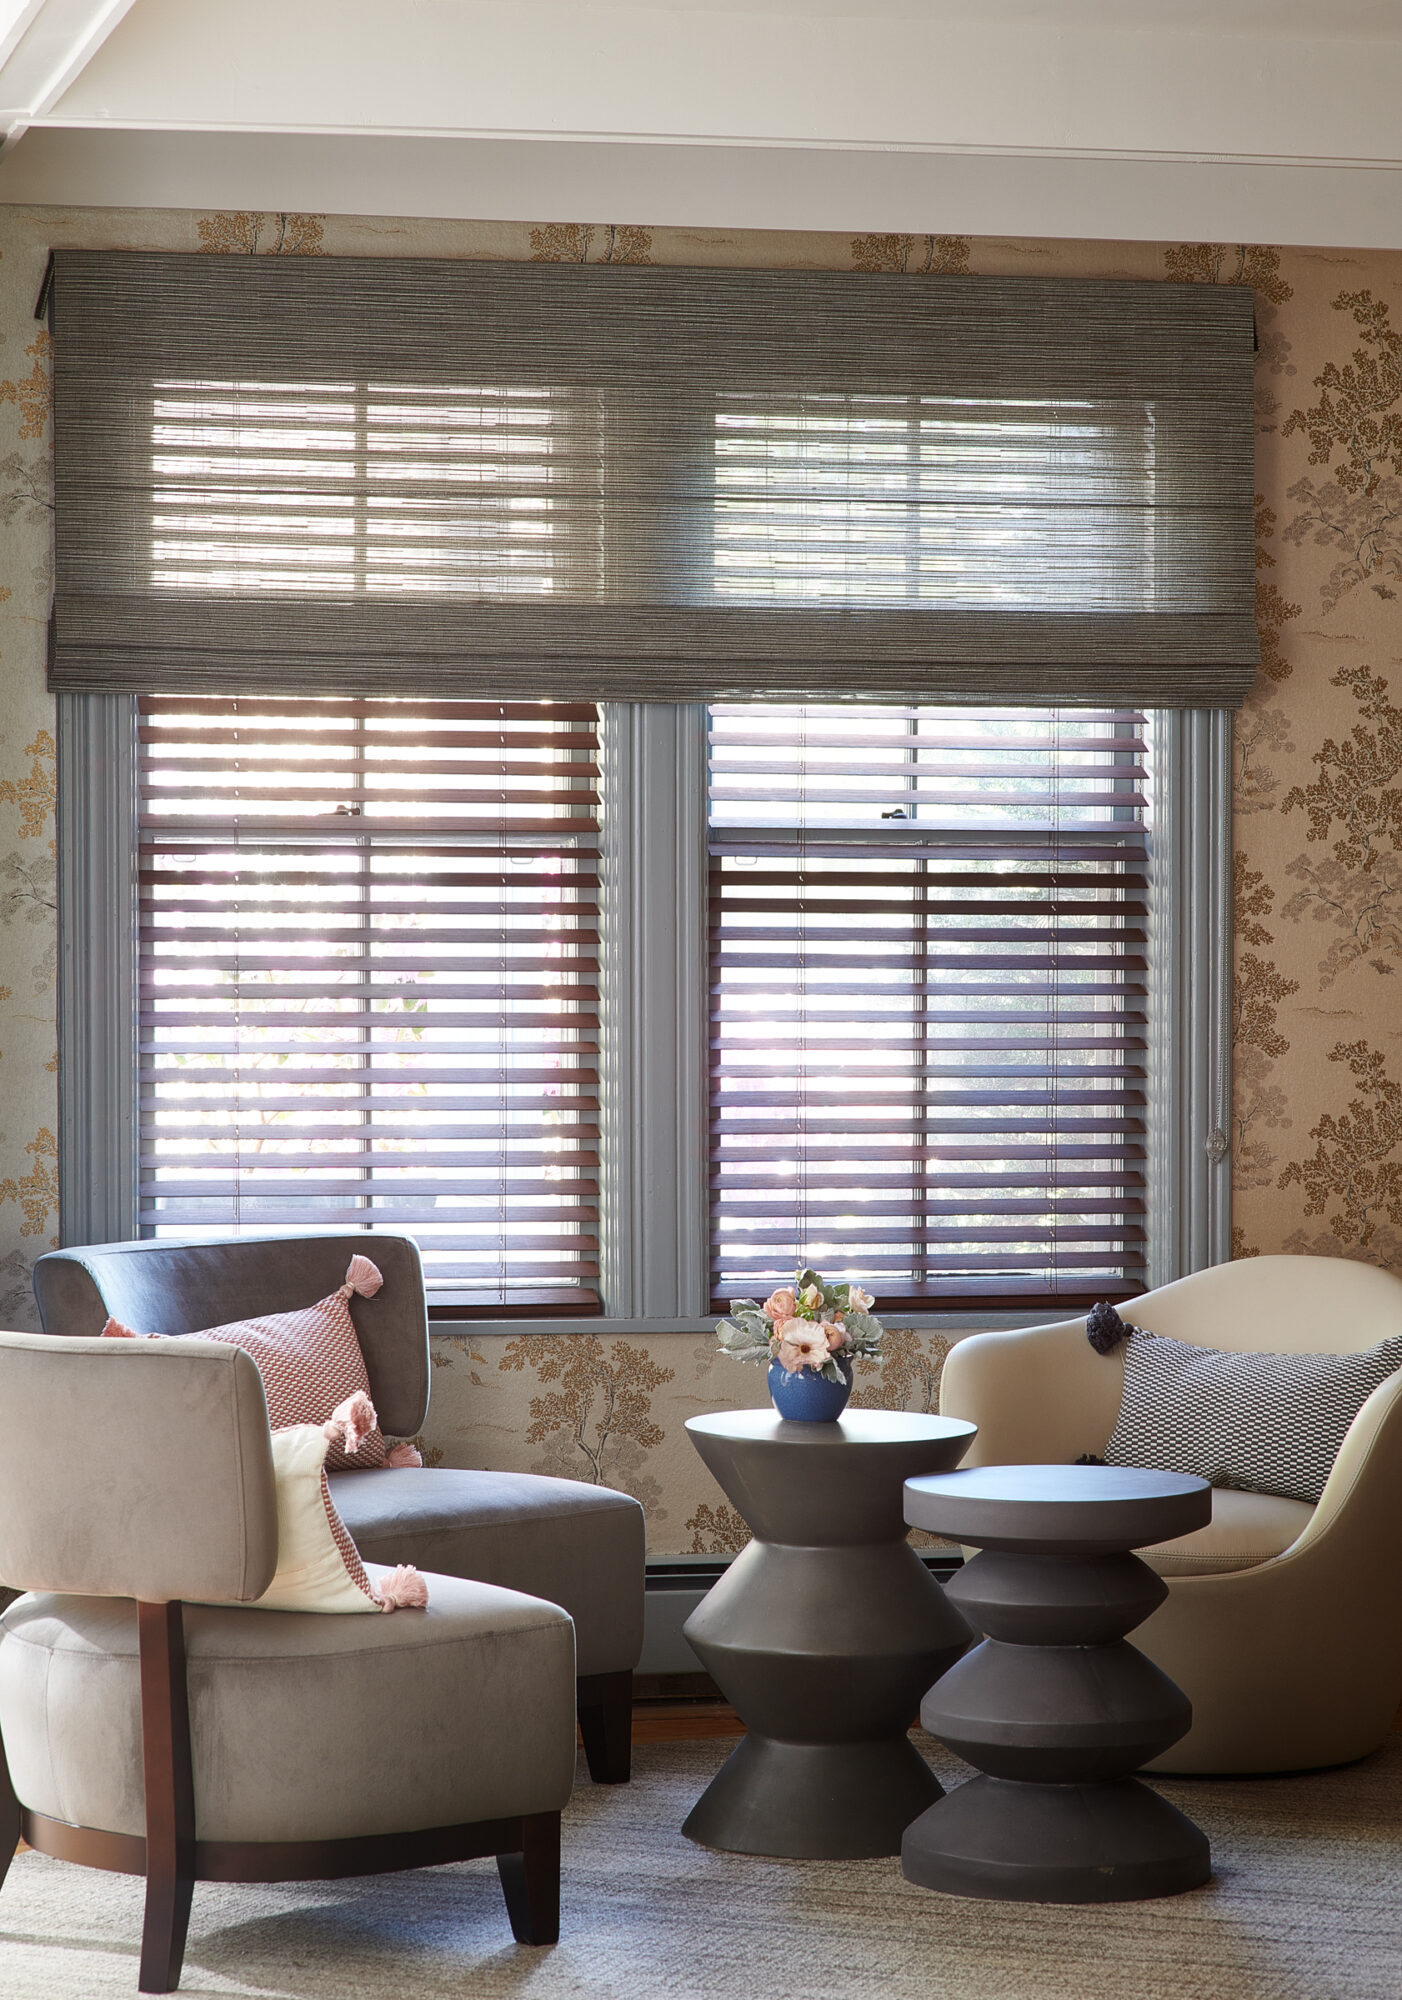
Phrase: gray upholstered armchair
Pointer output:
(576, 1545)
(155, 1724)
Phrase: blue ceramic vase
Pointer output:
(807, 1397)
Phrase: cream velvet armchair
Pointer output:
(576, 1545)
(155, 1724)
(1283, 1622)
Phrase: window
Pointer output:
(964, 502)
(329, 489)
(369, 982)
(929, 978)
(370, 954)
(445, 968)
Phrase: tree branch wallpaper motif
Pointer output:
(1356, 805)
(1357, 512)
(947, 255)
(248, 235)
(1317, 1128)
(1356, 1168)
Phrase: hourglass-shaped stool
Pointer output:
(823, 1631)
(1055, 1707)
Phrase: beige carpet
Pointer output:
(1306, 1905)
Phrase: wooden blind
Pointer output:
(929, 938)
(369, 982)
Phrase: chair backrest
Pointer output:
(1277, 1305)
(170, 1288)
(135, 1468)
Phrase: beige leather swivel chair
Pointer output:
(153, 1723)
(577, 1545)
(1283, 1621)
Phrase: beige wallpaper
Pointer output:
(1318, 1026)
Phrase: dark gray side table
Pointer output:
(1055, 1707)
(824, 1632)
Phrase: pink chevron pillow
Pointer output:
(311, 1362)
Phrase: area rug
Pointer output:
(1305, 1905)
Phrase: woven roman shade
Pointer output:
(473, 480)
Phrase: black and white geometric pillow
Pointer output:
(1266, 1423)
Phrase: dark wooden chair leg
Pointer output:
(530, 1881)
(605, 1703)
(9, 1818)
(170, 1796)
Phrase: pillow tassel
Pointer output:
(404, 1590)
(351, 1422)
(362, 1277)
(402, 1455)
(1105, 1329)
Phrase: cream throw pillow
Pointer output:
(318, 1565)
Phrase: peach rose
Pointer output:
(780, 1305)
(859, 1301)
(801, 1345)
(836, 1333)
(811, 1296)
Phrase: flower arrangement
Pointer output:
(809, 1324)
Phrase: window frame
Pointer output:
(653, 1235)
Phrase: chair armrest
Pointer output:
(1297, 1661)
(1367, 1474)
(1039, 1394)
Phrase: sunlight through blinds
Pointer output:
(369, 982)
(929, 968)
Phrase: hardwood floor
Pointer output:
(689, 1721)
(683, 1721)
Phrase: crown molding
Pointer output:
(680, 186)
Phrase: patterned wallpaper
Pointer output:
(1317, 1139)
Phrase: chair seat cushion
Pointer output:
(302, 1727)
(579, 1546)
(1245, 1529)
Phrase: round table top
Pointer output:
(853, 1427)
(1058, 1506)
(825, 1485)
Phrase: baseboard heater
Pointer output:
(675, 1586)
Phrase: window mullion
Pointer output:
(99, 1008)
(654, 1239)
(1190, 1194)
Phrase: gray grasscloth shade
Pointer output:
(356, 475)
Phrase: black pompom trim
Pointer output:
(1088, 1458)
(1105, 1329)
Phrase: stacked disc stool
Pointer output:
(1055, 1707)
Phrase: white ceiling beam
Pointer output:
(44, 47)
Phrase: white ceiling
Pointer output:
(1246, 119)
